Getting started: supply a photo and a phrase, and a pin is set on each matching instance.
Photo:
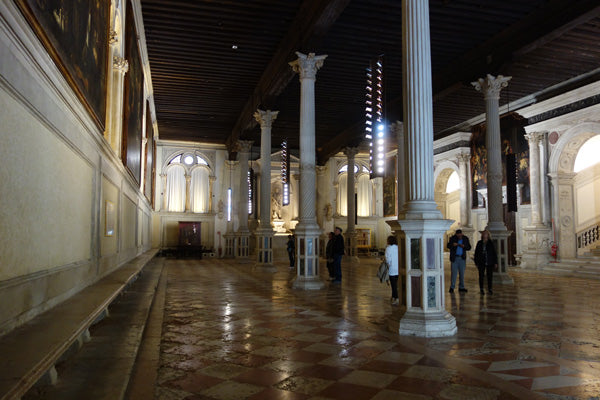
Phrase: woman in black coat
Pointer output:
(486, 260)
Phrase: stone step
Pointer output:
(584, 267)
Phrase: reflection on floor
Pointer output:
(235, 331)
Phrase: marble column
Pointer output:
(243, 233)
(490, 87)
(264, 233)
(537, 235)
(350, 234)
(420, 221)
(230, 236)
(398, 129)
(307, 230)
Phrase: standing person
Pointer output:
(458, 245)
(338, 252)
(391, 257)
(486, 260)
(291, 249)
(329, 255)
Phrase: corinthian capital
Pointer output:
(244, 146)
(113, 37)
(490, 86)
(265, 118)
(120, 64)
(534, 137)
(307, 65)
(464, 158)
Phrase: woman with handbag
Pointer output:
(391, 257)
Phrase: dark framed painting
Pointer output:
(76, 34)
(150, 149)
(133, 100)
(389, 188)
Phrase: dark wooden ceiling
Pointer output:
(213, 63)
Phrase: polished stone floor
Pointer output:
(236, 331)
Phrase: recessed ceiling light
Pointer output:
(234, 46)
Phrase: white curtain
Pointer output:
(365, 196)
(176, 188)
(342, 197)
(199, 190)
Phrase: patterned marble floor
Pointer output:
(236, 331)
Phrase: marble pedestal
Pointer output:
(537, 249)
(307, 258)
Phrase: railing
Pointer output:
(588, 236)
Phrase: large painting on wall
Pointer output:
(75, 34)
(133, 102)
(389, 188)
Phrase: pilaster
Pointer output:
(242, 250)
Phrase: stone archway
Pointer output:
(561, 171)
(448, 203)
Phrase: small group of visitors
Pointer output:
(485, 258)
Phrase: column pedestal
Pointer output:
(421, 251)
(264, 248)
(307, 258)
(230, 245)
(242, 246)
(500, 240)
(350, 247)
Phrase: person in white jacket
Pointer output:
(391, 257)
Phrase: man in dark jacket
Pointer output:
(338, 253)
(458, 245)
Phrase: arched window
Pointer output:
(199, 190)
(176, 183)
(342, 197)
(588, 154)
(175, 188)
(364, 192)
(453, 183)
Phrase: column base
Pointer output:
(308, 283)
(429, 325)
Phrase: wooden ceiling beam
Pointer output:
(307, 30)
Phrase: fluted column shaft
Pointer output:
(463, 172)
(265, 119)
(490, 87)
(534, 139)
(398, 128)
(418, 115)
(243, 156)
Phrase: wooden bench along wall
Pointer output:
(32, 350)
